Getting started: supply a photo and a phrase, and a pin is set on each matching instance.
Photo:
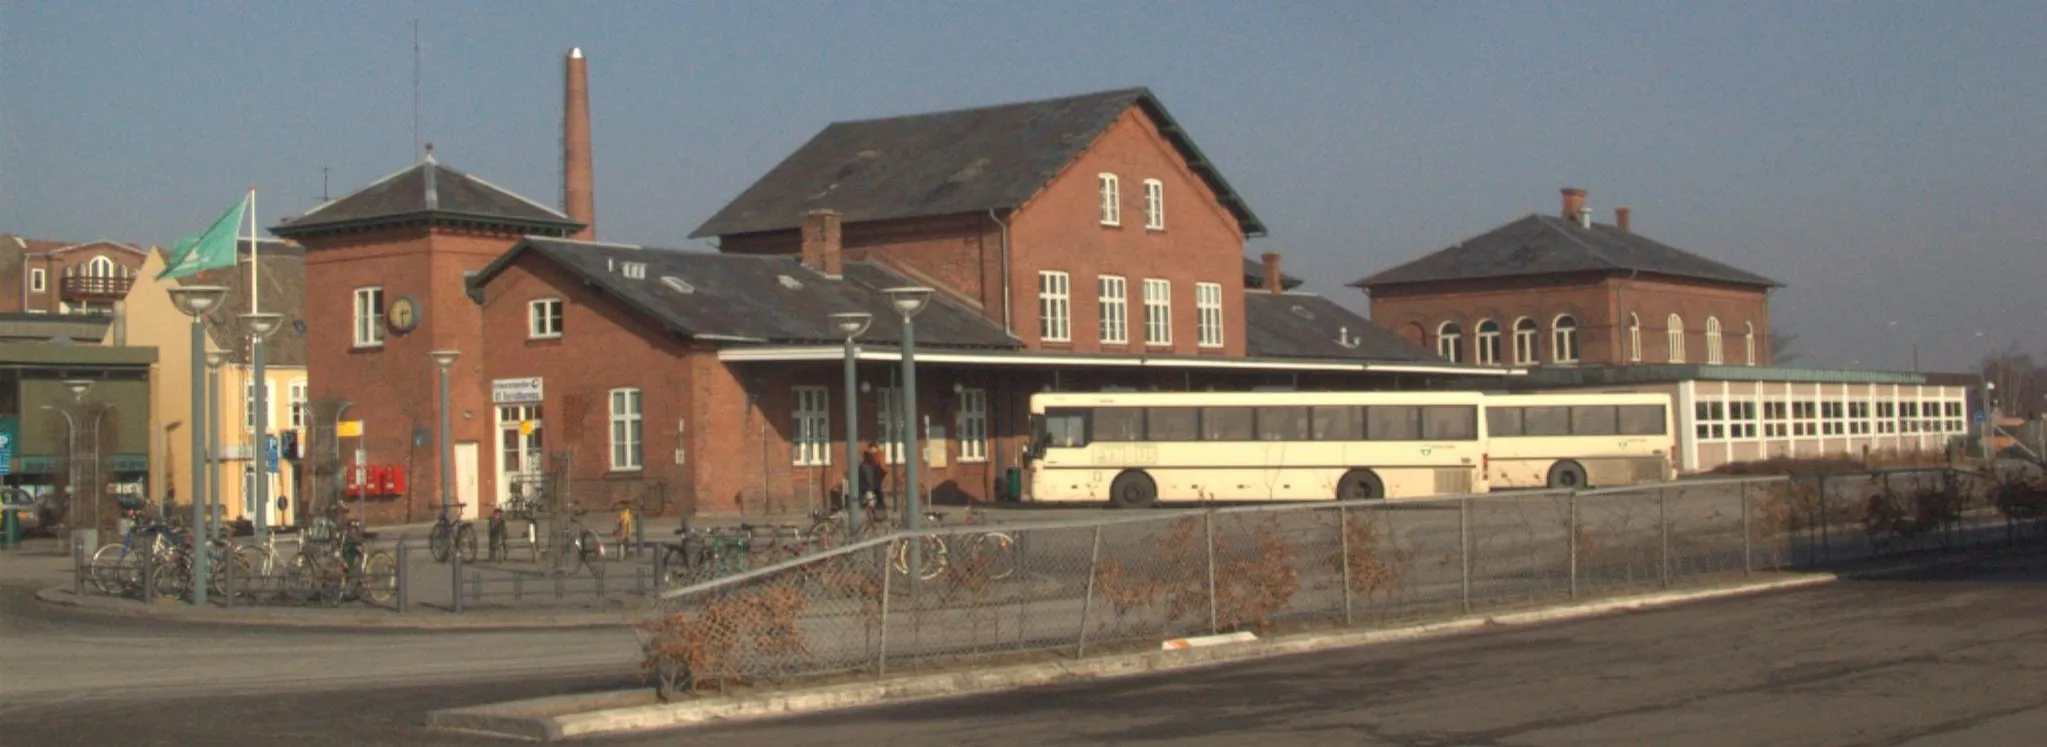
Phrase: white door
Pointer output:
(518, 448)
(465, 478)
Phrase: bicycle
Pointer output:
(706, 554)
(574, 542)
(344, 567)
(112, 572)
(449, 532)
(500, 540)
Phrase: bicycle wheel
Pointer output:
(590, 552)
(437, 542)
(171, 578)
(996, 553)
(105, 570)
(934, 558)
(319, 579)
(826, 533)
(218, 577)
(379, 578)
(256, 571)
(465, 543)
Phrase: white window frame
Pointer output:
(249, 405)
(1713, 352)
(295, 394)
(1564, 339)
(369, 317)
(887, 428)
(1158, 312)
(1527, 342)
(544, 318)
(1154, 205)
(1110, 193)
(38, 280)
(1709, 420)
(1055, 306)
(1634, 337)
(1114, 294)
(1450, 342)
(973, 410)
(1208, 315)
(810, 409)
(1488, 342)
(627, 434)
(1748, 341)
(1674, 337)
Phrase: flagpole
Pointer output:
(255, 289)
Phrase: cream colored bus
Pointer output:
(1576, 441)
(1132, 449)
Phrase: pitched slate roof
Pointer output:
(282, 272)
(1254, 276)
(946, 163)
(1305, 325)
(1547, 245)
(429, 190)
(748, 298)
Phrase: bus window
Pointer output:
(1593, 420)
(1226, 423)
(1118, 424)
(1172, 423)
(1642, 420)
(1546, 421)
(1450, 423)
(1066, 429)
(1393, 423)
(1282, 423)
(1338, 423)
(1503, 421)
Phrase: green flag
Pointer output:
(215, 248)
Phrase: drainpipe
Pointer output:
(1007, 327)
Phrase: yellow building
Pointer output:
(148, 318)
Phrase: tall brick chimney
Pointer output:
(1574, 204)
(821, 242)
(1620, 219)
(1274, 282)
(577, 183)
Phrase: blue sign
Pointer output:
(9, 427)
(270, 453)
(1979, 416)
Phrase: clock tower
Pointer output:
(387, 270)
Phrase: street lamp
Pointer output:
(261, 324)
(196, 301)
(852, 325)
(908, 302)
(214, 360)
(445, 359)
(78, 389)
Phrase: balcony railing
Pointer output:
(95, 288)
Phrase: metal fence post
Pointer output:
(1464, 548)
(149, 573)
(1571, 526)
(404, 586)
(455, 579)
(1087, 603)
(1826, 534)
(1748, 565)
(1343, 541)
(78, 569)
(227, 590)
(887, 578)
(1214, 625)
(1663, 529)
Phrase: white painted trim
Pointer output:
(1688, 440)
(820, 353)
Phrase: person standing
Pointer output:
(873, 466)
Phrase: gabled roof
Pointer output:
(1305, 325)
(1254, 276)
(1549, 245)
(757, 299)
(427, 191)
(130, 248)
(947, 163)
(282, 272)
(11, 243)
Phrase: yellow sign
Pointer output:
(525, 427)
(348, 429)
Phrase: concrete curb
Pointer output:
(369, 620)
(612, 713)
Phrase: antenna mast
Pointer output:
(415, 87)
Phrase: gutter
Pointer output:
(1008, 327)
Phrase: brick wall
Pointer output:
(1599, 305)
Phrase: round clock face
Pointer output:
(404, 315)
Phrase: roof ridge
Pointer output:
(1137, 90)
(1554, 224)
(358, 190)
(514, 195)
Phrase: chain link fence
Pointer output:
(919, 600)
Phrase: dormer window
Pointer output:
(633, 270)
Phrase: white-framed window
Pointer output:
(1055, 307)
(1208, 314)
(1634, 337)
(1450, 342)
(1526, 332)
(1154, 205)
(1833, 418)
(1858, 418)
(1709, 420)
(888, 429)
(1114, 292)
(1111, 199)
(1776, 419)
(1805, 418)
(1713, 340)
(1676, 338)
(1748, 341)
(973, 425)
(249, 406)
(811, 407)
(102, 267)
(38, 280)
(544, 318)
(1886, 417)
(1741, 419)
(296, 395)
(625, 429)
(1488, 343)
(369, 317)
(1158, 312)
(1565, 331)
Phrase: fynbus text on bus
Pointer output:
(1135, 449)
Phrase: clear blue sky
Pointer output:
(1887, 161)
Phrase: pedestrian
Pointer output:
(873, 466)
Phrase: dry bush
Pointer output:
(1251, 589)
(1374, 571)
(715, 646)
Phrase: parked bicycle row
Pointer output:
(332, 562)
(699, 555)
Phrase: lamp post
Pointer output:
(261, 324)
(214, 360)
(909, 301)
(445, 359)
(196, 301)
(78, 389)
(852, 325)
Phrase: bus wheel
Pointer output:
(1566, 476)
(1360, 485)
(1133, 489)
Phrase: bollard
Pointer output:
(404, 586)
(660, 567)
(455, 580)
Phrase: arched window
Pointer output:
(1450, 342)
(1676, 327)
(102, 267)
(1489, 343)
(1713, 340)
(1525, 332)
(1564, 333)
(1634, 337)
(1748, 341)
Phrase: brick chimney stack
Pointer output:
(1620, 219)
(1274, 282)
(1574, 204)
(821, 242)
(578, 185)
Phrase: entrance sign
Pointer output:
(349, 429)
(515, 391)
